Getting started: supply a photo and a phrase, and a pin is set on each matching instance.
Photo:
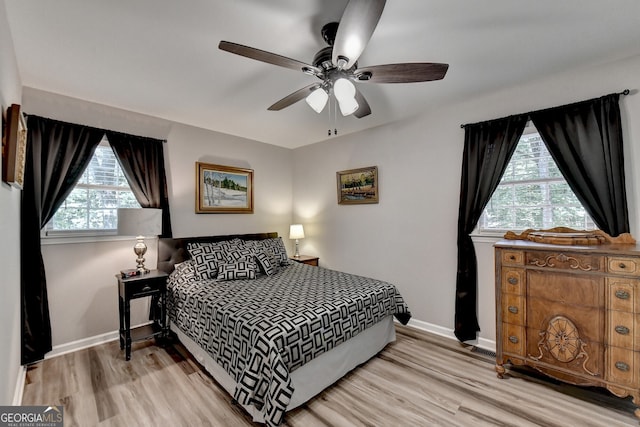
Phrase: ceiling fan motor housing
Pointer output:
(322, 59)
(329, 32)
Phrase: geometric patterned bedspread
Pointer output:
(261, 330)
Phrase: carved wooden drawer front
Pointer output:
(565, 261)
(622, 294)
(513, 339)
(620, 265)
(513, 280)
(623, 366)
(512, 257)
(513, 309)
(623, 330)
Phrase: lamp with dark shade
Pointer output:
(296, 231)
(140, 223)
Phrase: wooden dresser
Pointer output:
(571, 312)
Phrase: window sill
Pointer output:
(487, 237)
(64, 240)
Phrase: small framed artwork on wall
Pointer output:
(358, 186)
(14, 147)
(223, 189)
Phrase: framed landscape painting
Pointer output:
(223, 189)
(14, 147)
(358, 186)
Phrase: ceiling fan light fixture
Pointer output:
(318, 99)
(343, 89)
(348, 106)
(345, 92)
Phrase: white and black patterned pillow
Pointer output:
(234, 243)
(206, 257)
(186, 269)
(276, 246)
(238, 253)
(235, 254)
(243, 268)
(184, 272)
(267, 262)
(256, 245)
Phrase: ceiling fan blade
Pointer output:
(363, 106)
(402, 73)
(296, 96)
(268, 57)
(356, 27)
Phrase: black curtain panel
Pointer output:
(57, 155)
(585, 140)
(142, 161)
(488, 147)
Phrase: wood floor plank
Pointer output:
(420, 380)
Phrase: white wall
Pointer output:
(10, 93)
(409, 238)
(80, 276)
(271, 180)
(403, 239)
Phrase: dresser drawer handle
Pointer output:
(622, 294)
(512, 258)
(512, 281)
(514, 339)
(146, 288)
(622, 330)
(622, 265)
(622, 366)
(513, 309)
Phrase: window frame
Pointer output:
(494, 232)
(50, 236)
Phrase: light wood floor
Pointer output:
(420, 380)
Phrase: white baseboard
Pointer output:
(486, 344)
(59, 350)
(20, 381)
(448, 333)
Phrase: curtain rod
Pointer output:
(624, 92)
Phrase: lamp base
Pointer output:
(297, 254)
(140, 249)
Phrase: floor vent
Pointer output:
(483, 352)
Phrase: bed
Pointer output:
(273, 333)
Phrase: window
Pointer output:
(91, 208)
(533, 193)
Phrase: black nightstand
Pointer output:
(306, 259)
(152, 284)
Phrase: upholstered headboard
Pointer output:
(172, 251)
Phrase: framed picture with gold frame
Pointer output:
(358, 186)
(14, 147)
(223, 189)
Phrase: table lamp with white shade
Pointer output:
(140, 223)
(296, 231)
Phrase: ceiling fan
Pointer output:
(336, 65)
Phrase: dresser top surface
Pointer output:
(621, 249)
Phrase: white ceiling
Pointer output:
(160, 57)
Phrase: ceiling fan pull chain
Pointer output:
(329, 118)
(335, 116)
